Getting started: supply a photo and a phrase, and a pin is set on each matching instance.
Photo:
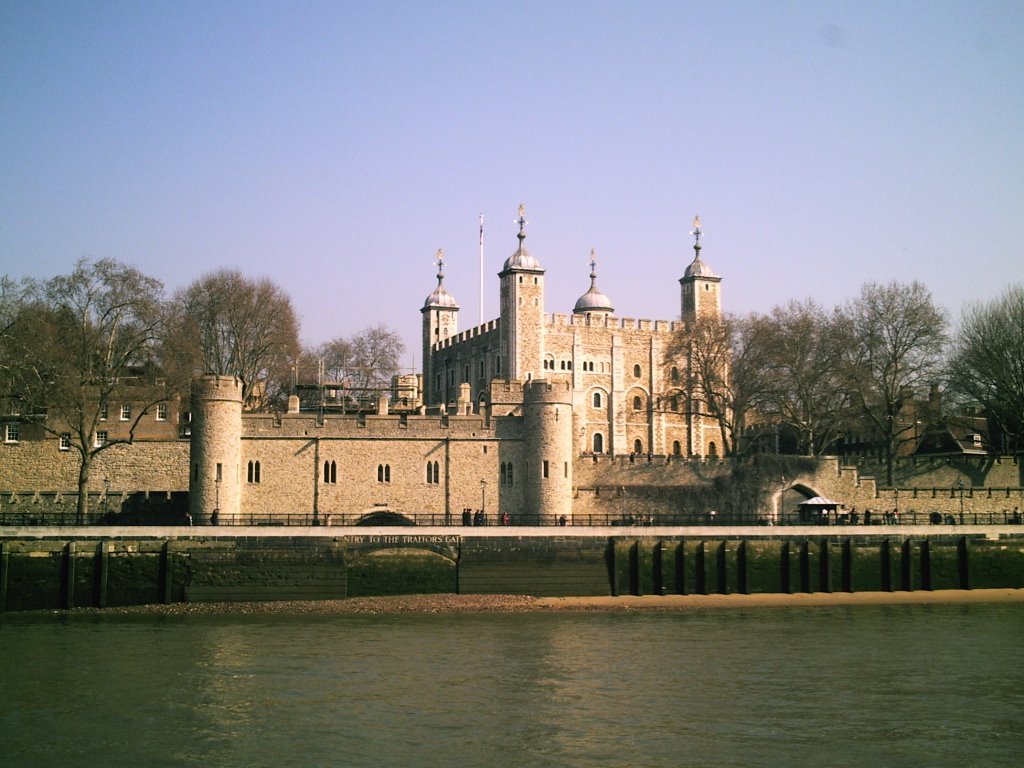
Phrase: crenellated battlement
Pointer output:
(613, 322)
(491, 326)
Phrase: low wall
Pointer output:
(62, 568)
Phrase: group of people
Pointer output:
(477, 517)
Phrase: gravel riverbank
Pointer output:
(437, 604)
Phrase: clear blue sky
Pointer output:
(333, 147)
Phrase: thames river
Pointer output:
(896, 685)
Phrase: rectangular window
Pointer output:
(103, 411)
(161, 412)
(11, 433)
(126, 412)
(101, 438)
(65, 441)
(545, 469)
(220, 472)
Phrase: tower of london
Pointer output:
(505, 414)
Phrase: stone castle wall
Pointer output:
(472, 357)
(292, 450)
(349, 467)
(31, 466)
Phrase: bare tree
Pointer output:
(12, 305)
(720, 358)
(229, 325)
(86, 340)
(365, 361)
(898, 338)
(987, 363)
(804, 350)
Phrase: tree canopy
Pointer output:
(987, 362)
(81, 341)
(231, 325)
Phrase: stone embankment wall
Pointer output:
(608, 488)
(96, 570)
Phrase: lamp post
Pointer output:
(215, 519)
(483, 500)
(960, 485)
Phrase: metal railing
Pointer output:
(18, 518)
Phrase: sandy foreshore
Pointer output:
(441, 604)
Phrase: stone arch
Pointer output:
(383, 516)
(787, 499)
(597, 391)
(675, 400)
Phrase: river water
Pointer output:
(939, 685)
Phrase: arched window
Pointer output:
(638, 403)
(638, 446)
(330, 472)
(675, 375)
(636, 371)
(433, 473)
(712, 450)
(430, 473)
(677, 449)
(383, 473)
(253, 472)
(598, 443)
(597, 399)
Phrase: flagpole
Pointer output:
(481, 269)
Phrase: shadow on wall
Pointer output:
(385, 517)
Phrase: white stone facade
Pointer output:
(508, 408)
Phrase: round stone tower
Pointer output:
(215, 450)
(547, 412)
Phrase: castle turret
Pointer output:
(593, 302)
(700, 285)
(547, 411)
(215, 450)
(522, 311)
(440, 322)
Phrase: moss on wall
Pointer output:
(996, 564)
(765, 563)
